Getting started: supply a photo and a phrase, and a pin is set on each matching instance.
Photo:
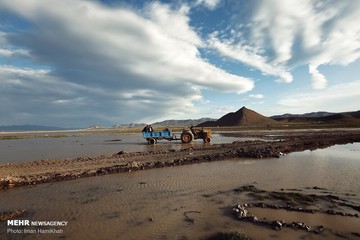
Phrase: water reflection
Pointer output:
(88, 145)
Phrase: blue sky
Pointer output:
(74, 63)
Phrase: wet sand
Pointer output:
(152, 204)
(42, 171)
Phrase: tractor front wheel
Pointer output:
(206, 140)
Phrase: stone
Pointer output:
(319, 229)
(133, 164)
(240, 211)
(121, 152)
(277, 225)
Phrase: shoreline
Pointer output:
(44, 171)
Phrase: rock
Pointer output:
(9, 182)
(240, 211)
(253, 218)
(319, 229)
(121, 152)
(330, 211)
(133, 164)
(277, 225)
(190, 220)
(299, 224)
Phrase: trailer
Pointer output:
(153, 137)
(186, 136)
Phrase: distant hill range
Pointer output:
(187, 122)
(248, 117)
(321, 117)
(13, 128)
(129, 125)
(166, 123)
(310, 115)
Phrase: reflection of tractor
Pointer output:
(188, 135)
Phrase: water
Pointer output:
(74, 146)
(151, 204)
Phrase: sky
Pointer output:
(75, 63)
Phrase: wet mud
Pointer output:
(43, 171)
(4, 216)
(293, 202)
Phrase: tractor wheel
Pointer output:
(152, 141)
(207, 140)
(186, 137)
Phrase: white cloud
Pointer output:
(317, 79)
(276, 24)
(248, 56)
(293, 33)
(118, 51)
(258, 96)
(336, 98)
(7, 51)
(210, 4)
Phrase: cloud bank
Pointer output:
(282, 35)
(122, 63)
(330, 99)
(77, 62)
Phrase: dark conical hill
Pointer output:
(243, 117)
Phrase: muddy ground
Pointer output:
(277, 144)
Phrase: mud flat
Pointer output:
(42, 171)
(301, 195)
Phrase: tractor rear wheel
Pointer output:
(152, 141)
(186, 137)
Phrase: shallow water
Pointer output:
(151, 204)
(79, 145)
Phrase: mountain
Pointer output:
(29, 128)
(243, 117)
(95, 126)
(312, 114)
(187, 122)
(167, 123)
(129, 125)
(320, 117)
(355, 114)
(347, 118)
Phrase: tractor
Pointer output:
(188, 135)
